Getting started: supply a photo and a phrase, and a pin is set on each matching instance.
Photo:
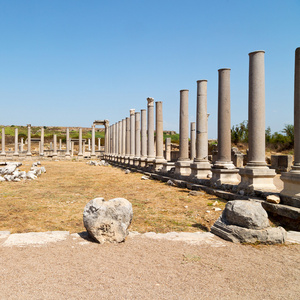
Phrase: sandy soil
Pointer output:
(142, 268)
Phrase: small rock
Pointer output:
(208, 211)
(217, 208)
(170, 182)
(145, 178)
(2, 179)
(186, 206)
(242, 192)
(31, 175)
(196, 193)
(273, 199)
(215, 203)
(127, 171)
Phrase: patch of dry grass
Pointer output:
(55, 201)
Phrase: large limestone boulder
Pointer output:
(108, 221)
(247, 222)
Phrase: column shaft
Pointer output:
(80, 143)
(193, 141)
(42, 141)
(184, 126)
(150, 146)
(29, 140)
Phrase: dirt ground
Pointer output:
(142, 268)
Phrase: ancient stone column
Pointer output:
(42, 141)
(201, 168)
(59, 145)
(132, 136)
(136, 159)
(256, 175)
(67, 143)
(127, 146)
(29, 140)
(159, 159)
(93, 153)
(123, 139)
(80, 154)
(150, 127)
(3, 142)
(168, 149)
(99, 144)
(119, 139)
(192, 141)
(224, 171)
(290, 194)
(143, 138)
(182, 166)
(16, 153)
(54, 145)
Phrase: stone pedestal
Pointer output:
(224, 171)
(201, 167)
(182, 166)
(256, 175)
(291, 180)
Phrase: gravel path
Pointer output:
(147, 268)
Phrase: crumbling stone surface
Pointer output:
(108, 221)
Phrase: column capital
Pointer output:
(132, 111)
(150, 101)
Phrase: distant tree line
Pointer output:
(279, 141)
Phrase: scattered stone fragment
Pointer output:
(8, 169)
(127, 171)
(247, 222)
(273, 199)
(217, 209)
(186, 206)
(215, 203)
(2, 179)
(196, 193)
(108, 221)
(144, 177)
(170, 182)
(31, 175)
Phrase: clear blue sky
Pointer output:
(70, 62)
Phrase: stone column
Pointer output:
(182, 166)
(127, 146)
(159, 159)
(59, 145)
(3, 142)
(150, 129)
(22, 145)
(192, 141)
(29, 140)
(201, 167)
(116, 140)
(67, 143)
(99, 144)
(106, 137)
(119, 140)
(89, 144)
(224, 171)
(168, 149)
(123, 140)
(256, 175)
(54, 146)
(51, 146)
(16, 153)
(290, 194)
(42, 141)
(113, 141)
(136, 160)
(93, 153)
(132, 136)
(72, 149)
(80, 154)
(143, 138)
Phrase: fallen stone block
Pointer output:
(108, 221)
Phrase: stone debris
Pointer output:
(217, 209)
(247, 222)
(97, 163)
(10, 172)
(108, 221)
(196, 193)
(273, 199)
(127, 171)
(145, 177)
(170, 182)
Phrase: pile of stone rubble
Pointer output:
(97, 163)
(10, 171)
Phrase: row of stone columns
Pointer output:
(53, 146)
(255, 176)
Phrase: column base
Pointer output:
(290, 195)
(67, 156)
(224, 176)
(131, 159)
(167, 166)
(259, 178)
(143, 161)
(136, 161)
(150, 162)
(126, 160)
(159, 163)
(201, 170)
(182, 168)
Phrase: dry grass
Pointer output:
(55, 201)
